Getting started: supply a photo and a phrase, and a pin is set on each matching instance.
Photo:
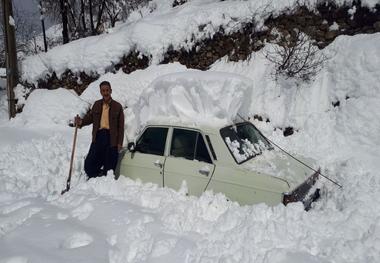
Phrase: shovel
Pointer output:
(71, 161)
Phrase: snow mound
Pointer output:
(52, 107)
(127, 88)
(195, 97)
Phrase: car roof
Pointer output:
(212, 127)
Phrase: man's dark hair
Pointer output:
(105, 83)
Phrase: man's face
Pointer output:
(105, 91)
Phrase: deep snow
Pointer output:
(103, 220)
(155, 29)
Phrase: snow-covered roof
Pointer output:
(204, 98)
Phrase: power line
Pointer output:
(317, 171)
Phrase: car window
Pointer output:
(152, 141)
(244, 141)
(201, 153)
(190, 145)
(183, 143)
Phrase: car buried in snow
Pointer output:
(236, 160)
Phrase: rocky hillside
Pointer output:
(322, 23)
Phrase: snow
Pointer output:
(11, 21)
(334, 26)
(3, 105)
(153, 33)
(103, 220)
(58, 107)
(196, 97)
(3, 72)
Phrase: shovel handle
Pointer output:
(68, 182)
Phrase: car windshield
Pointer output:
(244, 141)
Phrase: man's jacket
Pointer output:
(116, 121)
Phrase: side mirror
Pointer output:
(131, 147)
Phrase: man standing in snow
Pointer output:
(107, 119)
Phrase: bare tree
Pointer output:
(83, 15)
(101, 7)
(24, 30)
(42, 18)
(114, 10)
(91, 18)
(295, 56)
(65, 31)
(80, 18)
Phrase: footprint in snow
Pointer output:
(83, 211)
(76, 240)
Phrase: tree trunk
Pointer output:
(73, 28)
(100, 14)
(91, 19)
(83, 15)
(65, 31)
(43, 25)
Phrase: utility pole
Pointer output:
(42, 17)
(11, 56)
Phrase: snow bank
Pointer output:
(35, 166)
(350, 76)
(154, 33)
(49, 107)
(127, 88)
(195, 97)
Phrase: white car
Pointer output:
(235, 160)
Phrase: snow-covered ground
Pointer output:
(103, 220)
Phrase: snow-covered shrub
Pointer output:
(295, 55)
(179, 2)
(21, 94)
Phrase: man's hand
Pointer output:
(119, 147)
(77, 121)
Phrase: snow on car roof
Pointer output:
(175, 122)
(194, 99)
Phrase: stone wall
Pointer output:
(76, 81)
(79, 81)
(324, 27)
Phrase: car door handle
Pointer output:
(158, 164)
(204, 171)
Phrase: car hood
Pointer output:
(277, 164)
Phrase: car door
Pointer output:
(148, 159)
(188, 160)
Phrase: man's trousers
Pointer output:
(101, 155)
